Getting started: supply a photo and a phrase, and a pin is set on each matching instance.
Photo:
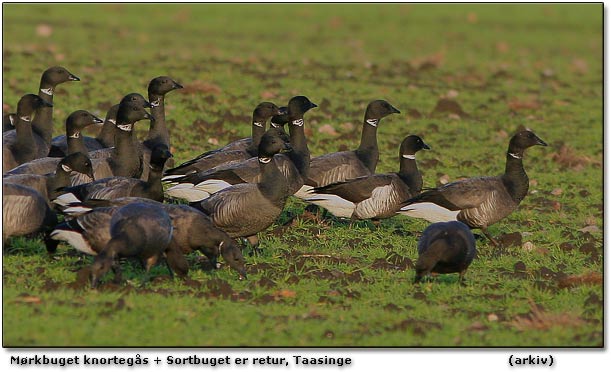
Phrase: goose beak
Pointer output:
(72, 77)
(177, 86)
(91, 175)
(312, 105)
(425, 146)
(147, 104)
(541, 142)
(97, 120)
(283, 110)
(394, 110)
(149, 116)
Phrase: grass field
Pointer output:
(507, 66)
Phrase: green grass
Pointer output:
(538, 66)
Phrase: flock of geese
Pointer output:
(105, 195)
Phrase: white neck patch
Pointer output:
(265, 160)
(258, 124)
(26, 118)
(515, 156)
(11, 119)
(156, 103)
(125, 127)
(221, 247)
(66, 168)
(112, 121)
(408, 156)
(372, 122)
(75, 135)
(275, 125)
(298, 122)
(47, 91)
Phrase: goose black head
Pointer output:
(160, 155)
(56, 75)
(101, 265)
(280, 120)
(29, 103)
(378, 109)
(264, 111)
(233, 256)
(131, 110)
(411, 145)
(273, 142)
(161, 85)
(77, 162)
(299, 105)
(523, 140)
(81, 118)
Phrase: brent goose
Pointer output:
(22, 145)
(104, 139)
(378, 195)
(140, 230)
(343, 165)
(49, 184)
(8, 121)
(482, 201)
(24, 211)
(245, 209)
(88, 231)
(294, 166)
(445, 247)
(238, 150)
(118, 187)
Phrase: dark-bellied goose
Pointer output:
(104, 139)
(294, 166)
(238, 150)
(48, 185)
(245, 209)
(482, 201)
(340, 166)
(141, 230)
(445, 247)
(75, 123)
(118, 187)
(378, 195)
(22, 145)
(89, 231)
(43, 122)
(24, 211)
(8, 121)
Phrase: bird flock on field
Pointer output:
(105, 195)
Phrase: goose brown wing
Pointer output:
(335, 167)
(227, 207)
(358, 189)
(459, 195)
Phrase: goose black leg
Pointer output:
(485, 232)
(254, 243)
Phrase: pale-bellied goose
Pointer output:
(104, 139)
(89, 231)
(378, 195)
(482, 201)
(75, 123)
(48, 185)
(238, 150)
(119, 187)
(141, 230)
(294, 166)
(24, 211)
(445, 247)
(8, 121)
(22, 145)
(245, 209)
(344, 165)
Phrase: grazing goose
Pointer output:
(294, 166)
(238, 150)
(22, 145)
(104, 139)
(48, 185)
(118, 187)
(445, 247)
(8, 121)
(139, 230)
(482, 201)
(340, 166)
(245, 209)
(75, 123)
(89, 232)
(24, 211)
(376, 196)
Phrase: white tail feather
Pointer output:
(429, 211)
(66, 199)
(76, 210)
(305, 192)
(212, 186)
(74, 239)
(339, 207)
(188, 192)
(171, 177)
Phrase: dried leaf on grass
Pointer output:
(584, 279)
(569, 158)
(200, 87)
(539, 319)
